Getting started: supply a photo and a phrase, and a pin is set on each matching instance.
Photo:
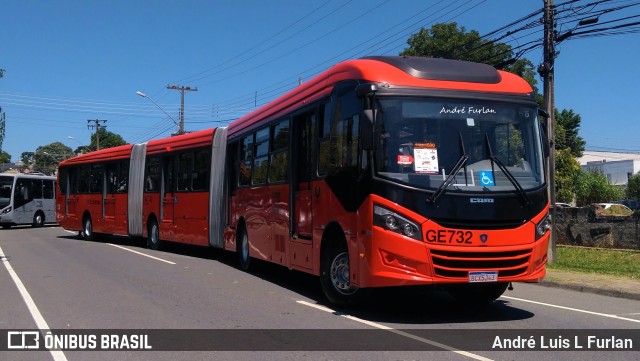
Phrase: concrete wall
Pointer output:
(583, 227)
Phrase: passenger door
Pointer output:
(303, 135)
(168, 191)
(23, 201)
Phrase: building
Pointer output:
(618, 167)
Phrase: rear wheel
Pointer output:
(242, 248)
(335, 278)
(478, 294)
(38, 220)
(153, 236)
(87, 229)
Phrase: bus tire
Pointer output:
(87, 229)
(38, 220)
(242, 248)
(335, 278)
(153, 236)
(480, 294)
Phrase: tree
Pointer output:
(592, 186)
(633, 187)
(446, 40)
(5, 157)
(567, 170)
(107, 139)
(47, 157)
(567, 128)
(27, 158)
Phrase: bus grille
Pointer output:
(480, 224)
(454, 264)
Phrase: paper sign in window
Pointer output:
(426, 158)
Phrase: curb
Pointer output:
(592, 289)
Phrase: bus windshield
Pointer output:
(6, 185)
(463, 145)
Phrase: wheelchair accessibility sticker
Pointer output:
(486, 178)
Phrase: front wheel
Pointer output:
(478, 294)
(335, 279)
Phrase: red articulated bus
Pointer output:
(381, 171)
(159, 190)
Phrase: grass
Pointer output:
(598, 260)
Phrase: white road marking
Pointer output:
(573, 309)
(72, 232)
(142, 254)
(31, 305)
(397, 332)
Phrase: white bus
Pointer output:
(27, 199)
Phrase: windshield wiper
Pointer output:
(494, 160)
(462, 162)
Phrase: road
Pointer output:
(52, 280)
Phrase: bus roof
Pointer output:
(28, 175)
(114, 153)
(197, 139)
(201, 138)
(395, 71)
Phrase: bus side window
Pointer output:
(246, 160)
(112, 177)
(185, 168)
(36, 188)
(123, 176)
(278, 161)
(261, 161)
(47, 189)
(83, 178)
(152, 175)
(202, 164)
(22, 193)
(95, 183)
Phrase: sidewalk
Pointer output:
(594, 283)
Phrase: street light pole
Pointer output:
(81, 145)
(180, 128)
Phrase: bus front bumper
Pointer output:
(394, 260)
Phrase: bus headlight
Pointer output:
(396, 223)
(543, 226)
(6, 210)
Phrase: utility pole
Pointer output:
(182, 89)
(97, 127)
(546, 70)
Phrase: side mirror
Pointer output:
(366, 128)
(543, 113)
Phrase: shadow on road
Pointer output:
(401, 305)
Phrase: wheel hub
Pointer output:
(340, 274)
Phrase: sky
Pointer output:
(67, 62)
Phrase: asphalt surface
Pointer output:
(118, 284)
(594, 283)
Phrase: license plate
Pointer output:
(483, 276)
